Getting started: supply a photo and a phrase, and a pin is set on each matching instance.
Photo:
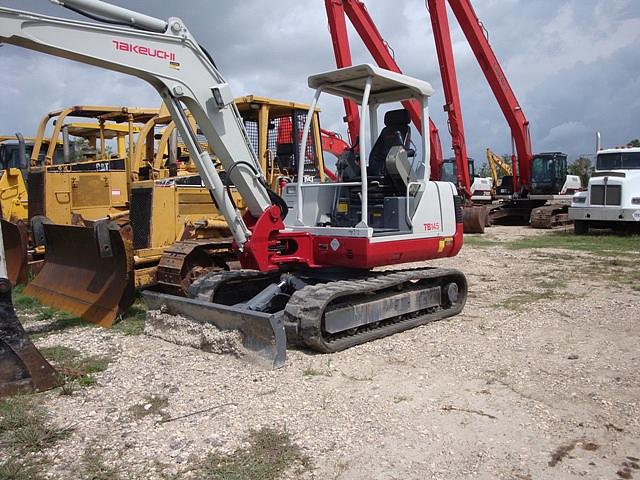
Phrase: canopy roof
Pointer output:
(387, 86)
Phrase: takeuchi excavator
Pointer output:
(308, 256)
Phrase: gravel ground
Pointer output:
(543, 388)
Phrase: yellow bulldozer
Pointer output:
(172, 232)
(70, 175)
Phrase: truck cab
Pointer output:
(613, 197)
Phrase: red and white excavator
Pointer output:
(307, 257)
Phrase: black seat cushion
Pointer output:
(396, 133)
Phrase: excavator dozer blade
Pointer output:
(87, 272)
(22, 366)
(210, 326)
(16, 249)
(474, 218)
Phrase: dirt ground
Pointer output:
(536, 379)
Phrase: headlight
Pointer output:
(579, 199)
(635, 201)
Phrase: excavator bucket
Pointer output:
(256, 336)
(87, 272)
(16, 249)
(22, 366)
(474, 218)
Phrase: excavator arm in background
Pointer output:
(357, 13)
(475, 34)
(496, 162)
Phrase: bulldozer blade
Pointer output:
(22, 366)
(474, 218)
(264, 340)
(87, 271)
(16, 250)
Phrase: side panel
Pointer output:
(58, 197)
(356, 252)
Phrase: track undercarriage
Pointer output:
(550, 216)
(326, 310)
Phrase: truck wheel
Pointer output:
(580, 227)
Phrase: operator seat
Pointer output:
(396, 133)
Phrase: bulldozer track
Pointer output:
(187, 259)
(549, 216)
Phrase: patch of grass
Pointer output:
(520, 300)
(479, 241)
(20, 468)
(74, 366)
(151, 405)
(599, 244)
(552, 283)
(314, 372)
(93, 466)
(132, 322)
(401, 398)
(22, 301)
(25, 427)
(270, 453)
(311, 371)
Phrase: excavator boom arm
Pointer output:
(175, 65)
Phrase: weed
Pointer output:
(311, 371)
(552, 283)
(599, 244)
(480, 241)
(92, 466)
(14, 468)
(401, 398)
(269, 454)
(75, 367)
(87, 381)
(132, 322)
(46, 313)
(152, 405)
(520, 300)
(24, 426)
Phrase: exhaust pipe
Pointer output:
(598, 142)
(65, 145)
(22, 152)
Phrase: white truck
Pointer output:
(613, 197)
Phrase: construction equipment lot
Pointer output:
(536, 379)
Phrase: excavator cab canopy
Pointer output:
(387, 86)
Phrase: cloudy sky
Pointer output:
(573, 64)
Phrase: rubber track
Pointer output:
(307, 306)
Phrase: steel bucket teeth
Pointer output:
(87, 272)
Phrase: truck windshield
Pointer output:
(618, 161)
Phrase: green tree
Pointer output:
(634, 143)
(581, 167)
